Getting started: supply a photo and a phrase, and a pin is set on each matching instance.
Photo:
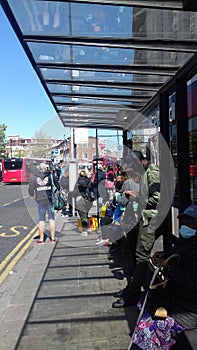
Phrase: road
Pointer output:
(18, 220)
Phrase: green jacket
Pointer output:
(149, 193)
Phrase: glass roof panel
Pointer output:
(63, 89)
(60, 53)
(60, 99)
(54, 17)
(56, 74)
(93, 20)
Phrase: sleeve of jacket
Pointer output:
(31, 187)
(182, 276)
(153, 177)
(123, 199)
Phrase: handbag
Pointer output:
(57, 200)
(154, 334)
(161, 291)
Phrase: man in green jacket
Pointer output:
(148, 199)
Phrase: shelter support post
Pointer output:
(166, 227)
(181, 116)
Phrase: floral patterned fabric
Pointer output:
(156, 334)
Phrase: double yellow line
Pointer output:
(5, 266)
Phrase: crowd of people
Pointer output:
(128, 198)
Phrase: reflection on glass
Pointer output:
(192, 127)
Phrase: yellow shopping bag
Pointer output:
(93, 223)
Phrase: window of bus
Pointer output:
(31, 165)
(13, 164)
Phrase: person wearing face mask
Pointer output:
(179, 296)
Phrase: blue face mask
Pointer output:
(186, 231)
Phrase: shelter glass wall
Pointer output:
(192, 128)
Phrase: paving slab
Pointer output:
(63, 297)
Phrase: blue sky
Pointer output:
(24, 105)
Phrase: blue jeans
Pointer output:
(43, 208)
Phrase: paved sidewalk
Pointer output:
(61, 297)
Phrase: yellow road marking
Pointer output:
(17, 257)
(14, 230)
(9, 256)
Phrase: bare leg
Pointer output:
(52, 228)
(41, 227)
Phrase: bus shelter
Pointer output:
(124, 65)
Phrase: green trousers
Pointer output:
(145, 242)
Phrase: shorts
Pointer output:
(45, 207)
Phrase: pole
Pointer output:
(118, 141)
(97, 192)
(72, 158)
(64, 148)
(72, 143)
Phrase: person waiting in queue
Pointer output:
(41, 189)
(83, 206)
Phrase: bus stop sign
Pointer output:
(56, 152)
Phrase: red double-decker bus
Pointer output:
(20, 170)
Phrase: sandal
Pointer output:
(40, 242)
(53, 240)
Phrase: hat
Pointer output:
(82, 173)
(42, 167)
(161, 312)
(191, 211)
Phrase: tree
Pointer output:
(42, 148)
(3, 128)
